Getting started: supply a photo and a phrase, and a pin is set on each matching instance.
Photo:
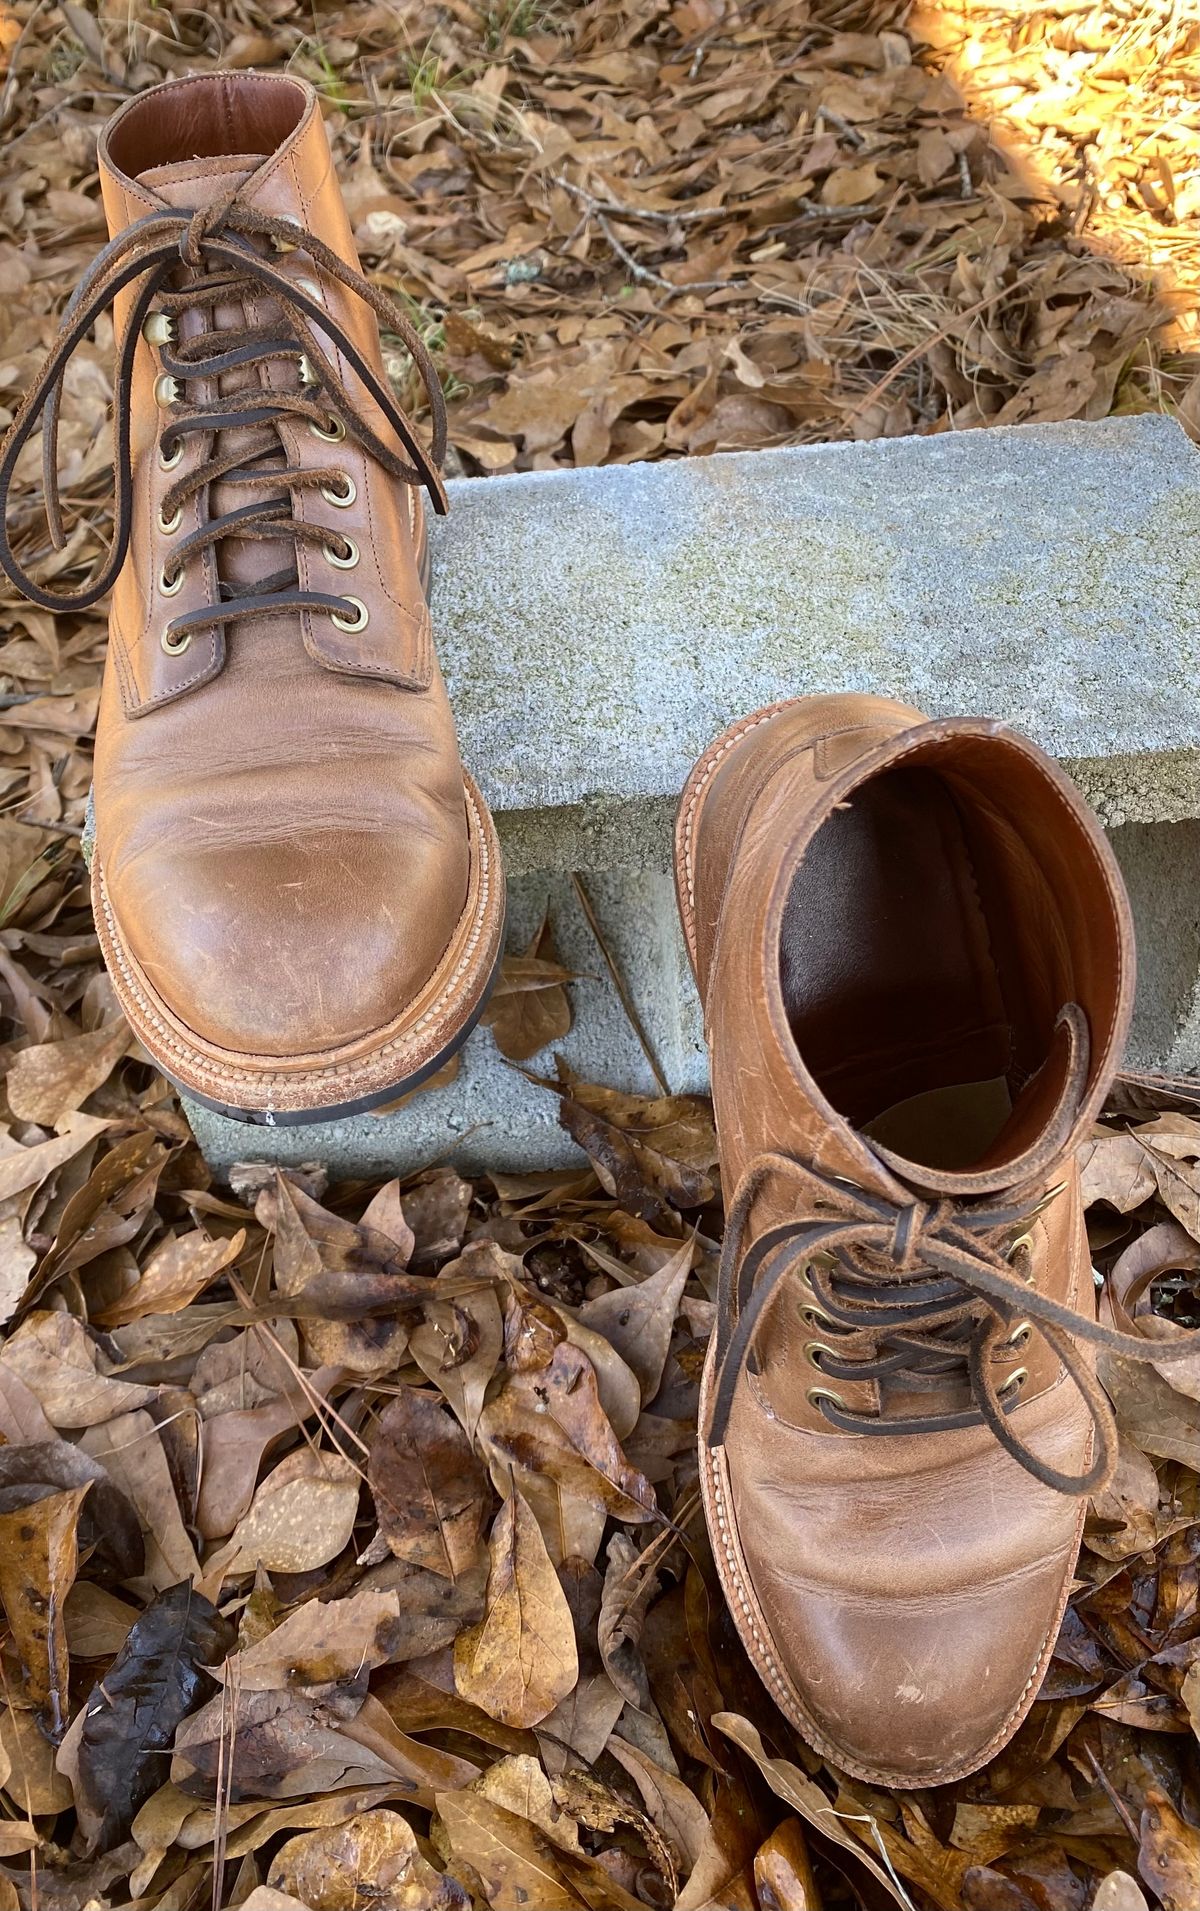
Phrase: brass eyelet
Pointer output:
(167, 525)
(167, 584)
(1022, 1245)
(158, 328)
(357, 622)
(814, 1348)
(813, 1317)
(166, 391)
(335, 434)
(168, 462)
(305, 371)
(344, 497)
(815, 1396)
(1019, 1336)
(1015, 1379)
(336, 558)
(175, 646)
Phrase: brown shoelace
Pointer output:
(180, 259)
(919, 1297)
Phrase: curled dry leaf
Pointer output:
(520, 1660)
(28, 1167)
(300, 1518)
(431, 1494)
(320, 1644)
(52, 1079)
(518, 1869)
(371, 1860)
(109, 1532)
(460, 1341)
(804, 1795)
(175, 1274)
(1169, 1855)
(38, 1561)
(530, 1008)
(58, 1361)
(549, 1420)
(234, 1444)
(783, 1873)
(355, 1299)
(131, 1451)
(637, 1320)
(276, 1745)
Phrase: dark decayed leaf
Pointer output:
(129, 1721)
(431, 1493)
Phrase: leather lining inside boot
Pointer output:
(904, 977)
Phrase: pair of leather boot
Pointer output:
(910, 938)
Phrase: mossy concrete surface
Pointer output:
(597, 628)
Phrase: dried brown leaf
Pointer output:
(431, 1494)
(520, 1660)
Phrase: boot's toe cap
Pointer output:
(908, 1589)
(290, 948)
(916, 1691)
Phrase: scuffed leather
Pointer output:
(898, 1594)
(280, 818)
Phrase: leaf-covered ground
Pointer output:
(350, 1551)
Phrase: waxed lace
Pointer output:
(212, 257)
(914, 1297)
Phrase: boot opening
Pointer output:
(938, 922)
(213, 116)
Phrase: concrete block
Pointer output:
(598, 627)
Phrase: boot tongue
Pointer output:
(197, 182)
(190, 184)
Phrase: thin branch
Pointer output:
(627, 1002)
(685, 215)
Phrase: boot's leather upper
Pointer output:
(280, 821)
(914, 952)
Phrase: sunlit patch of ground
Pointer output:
(1102, 103)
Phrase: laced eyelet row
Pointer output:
(815, 1395)
(159, 329)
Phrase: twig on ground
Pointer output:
(598, 209)
(635, 1020)
(847, 131)
(656, 214)
(1114, 1797)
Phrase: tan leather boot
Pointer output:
(914, 952)
(297, 889)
